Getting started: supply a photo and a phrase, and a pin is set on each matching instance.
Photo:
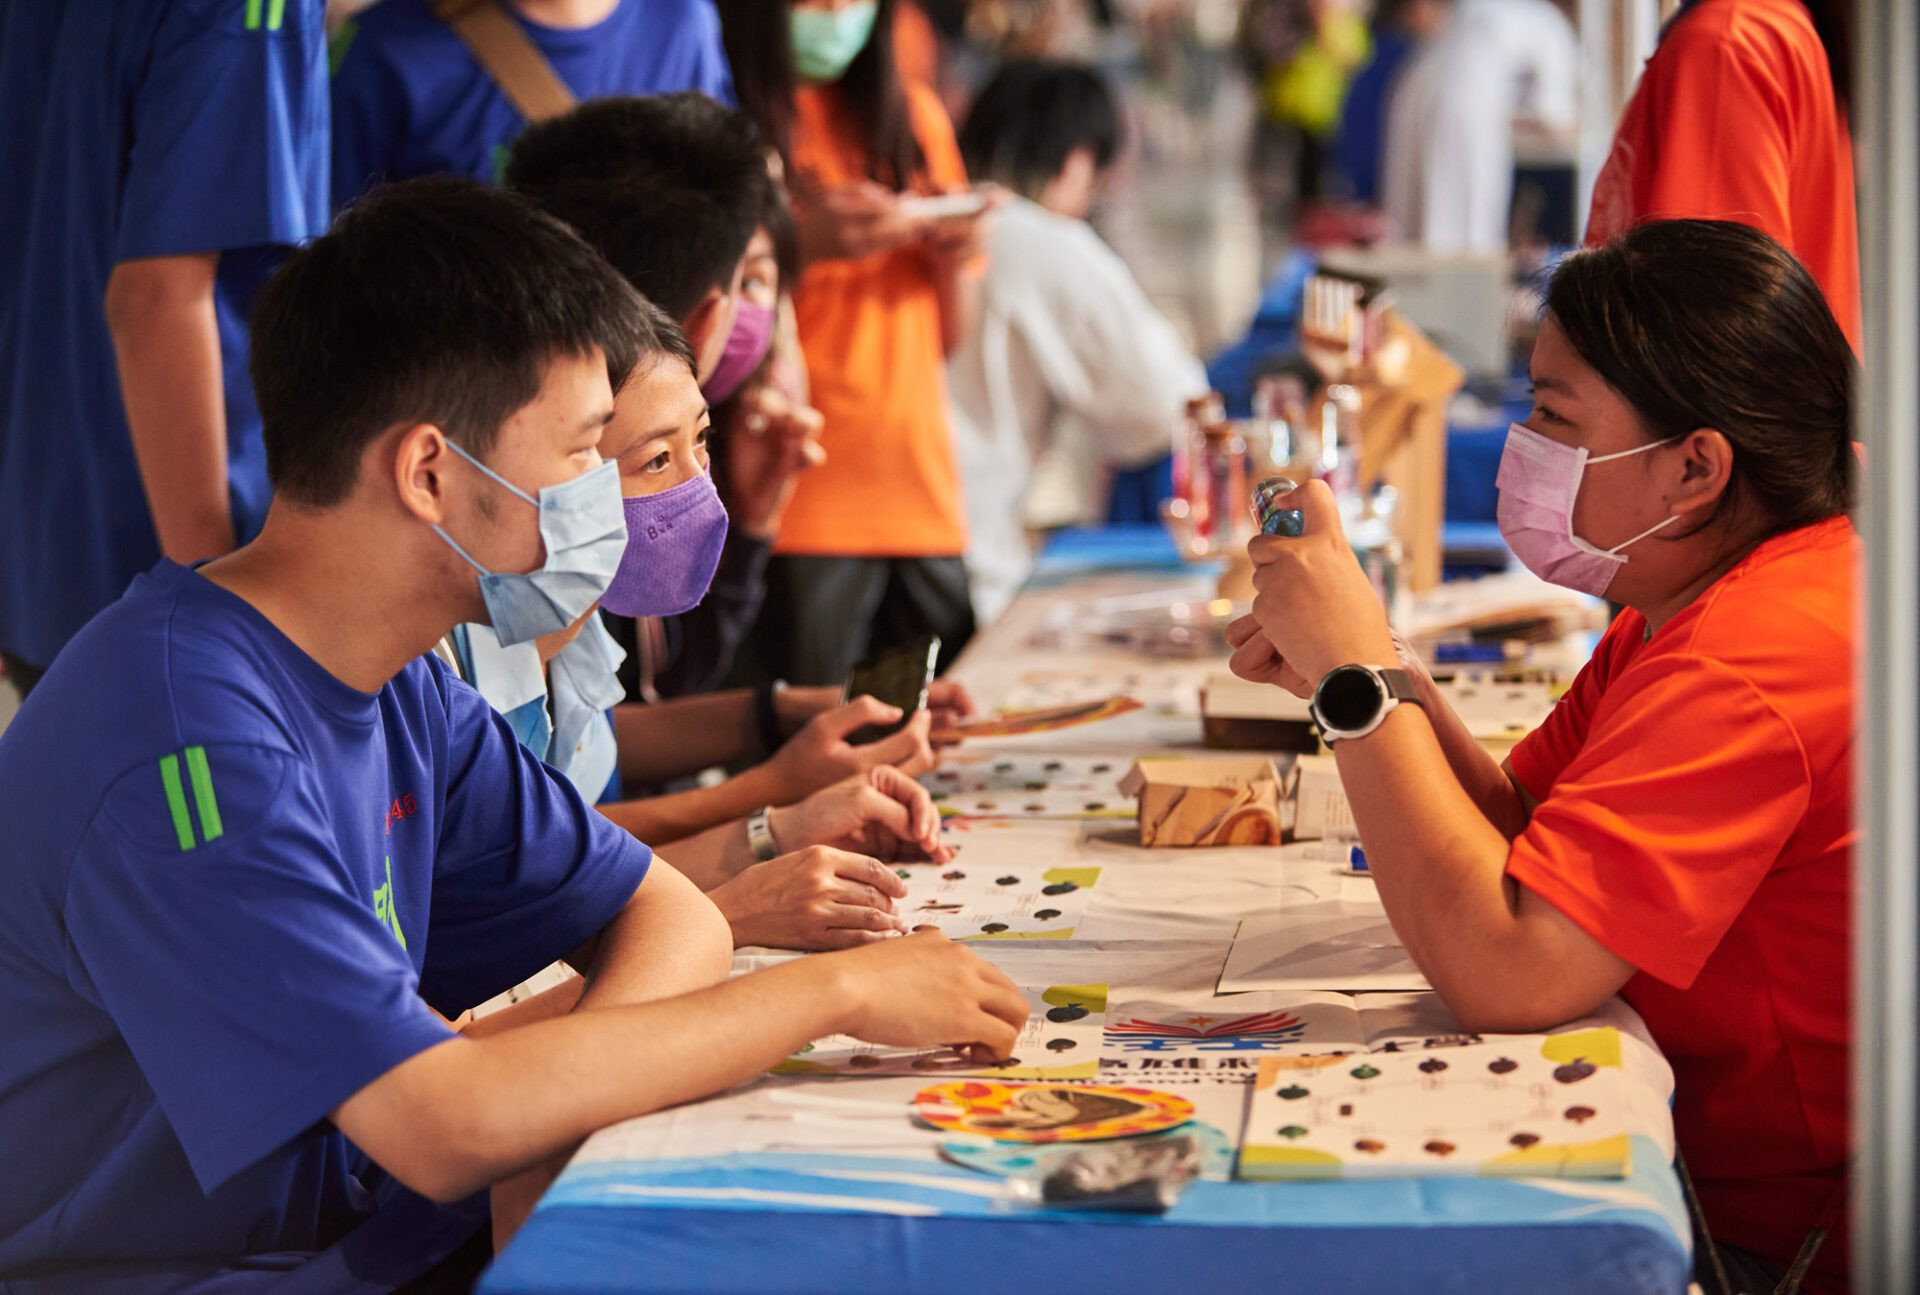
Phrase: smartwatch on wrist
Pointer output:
(760, 834)
(1352, 700)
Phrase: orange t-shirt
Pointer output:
(1696, 818)
(1735, 119)
(870, 330)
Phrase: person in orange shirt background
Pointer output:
(1741, 114)
(1680, 830)
(869, 553)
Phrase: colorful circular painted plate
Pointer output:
(1016, 1161)
(1049, 1112)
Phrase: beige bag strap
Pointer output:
(515, 63)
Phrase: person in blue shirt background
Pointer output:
(160, 156)
(277, 845)
(409, 99)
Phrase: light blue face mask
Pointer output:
(825, 43)
(584, 529)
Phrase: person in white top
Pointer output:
(1070, 370)
(1447, 174)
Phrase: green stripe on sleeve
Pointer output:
(176, 800)
(203, 800)
(253, 15)
(276, 11)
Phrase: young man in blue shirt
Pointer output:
(266, 845)
(160, 156)
(410, 99)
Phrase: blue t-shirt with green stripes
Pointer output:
(233, 887)
(133, 129)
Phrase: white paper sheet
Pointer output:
(1334, 944)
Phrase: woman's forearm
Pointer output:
(1479, 775)
(661, 820)
(680, 737)
(1500, 957)
(1438, 863)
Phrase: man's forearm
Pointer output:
(668, 940)
(478, 1111)
(166, 339)
(680, 737)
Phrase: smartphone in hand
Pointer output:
(899, 678)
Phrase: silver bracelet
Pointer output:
(760, 834)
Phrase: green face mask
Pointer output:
(826, 43)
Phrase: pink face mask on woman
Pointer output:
(747, 345)
(1539, 481)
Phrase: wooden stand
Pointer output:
(1403, 433)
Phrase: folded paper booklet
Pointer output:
(1222, 801)
(1061, 1040)
(1521, 1106)
(1209, 1050)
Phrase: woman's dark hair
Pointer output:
(1031, 117)
(1710, 323)
(759, 43)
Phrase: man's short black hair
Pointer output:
(433, 301)
(666, 186)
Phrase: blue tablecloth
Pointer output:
(793, 1222)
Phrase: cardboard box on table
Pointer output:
(1188, 802)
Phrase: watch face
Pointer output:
(1349, 698)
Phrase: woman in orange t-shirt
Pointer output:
(1741, 114)
(1680, 830)
(869, 554)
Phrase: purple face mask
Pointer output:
(673, 548)
(747, 345)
